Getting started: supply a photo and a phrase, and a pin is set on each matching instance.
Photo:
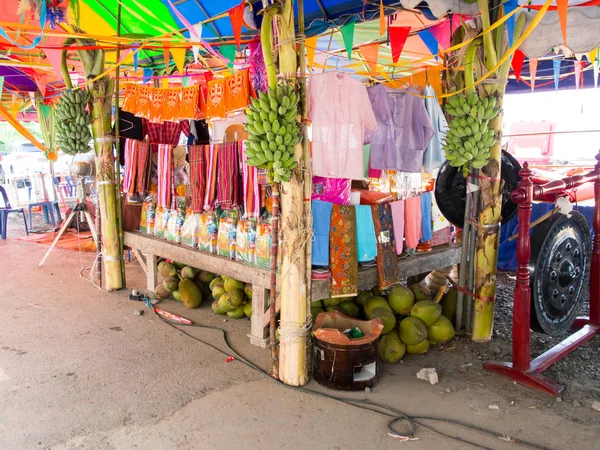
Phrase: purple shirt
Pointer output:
(403, 130)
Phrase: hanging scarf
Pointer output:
(197, 175)
(165, 169)
(129, 181)
(251, 191)
(143, 168)
(210, 161)
(412, 221)
(343, 252)
(387, 261)
(228, 175)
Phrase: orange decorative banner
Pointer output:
(562, 7)
(236, 16)
(381, 19)
(237, 95)
(311, 47)
(215, 98)
(371, 54)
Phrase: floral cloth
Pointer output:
(343, 252)
(387, 261)
(340, 111)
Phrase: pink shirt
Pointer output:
(340, 111)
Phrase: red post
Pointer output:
(522, 295)
(595, 268)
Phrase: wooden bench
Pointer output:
(148, 249)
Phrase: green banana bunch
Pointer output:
(273, 131)
(469, 138)
(73, 122)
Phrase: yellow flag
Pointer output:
(592, 55)
(311, 46)
(178, 54)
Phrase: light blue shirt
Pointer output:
(434, 153)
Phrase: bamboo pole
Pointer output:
(118, 153)
(293, 368)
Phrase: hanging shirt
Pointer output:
(403, 130)
(434, 154)
(340, 111)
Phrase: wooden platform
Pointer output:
(148, 248)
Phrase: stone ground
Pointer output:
(78, 370)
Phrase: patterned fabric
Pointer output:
(238, 91)
(129, 173)
(228, 175)
(143, 166)
(166, 132)
(387, 261)
(165, 171)
(340, 111)
(412, 221)
(210, 160)
(343, 252)
(215, 98)
(258, 71)
(197, 176)
(251, 190)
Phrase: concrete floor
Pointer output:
(78, 370)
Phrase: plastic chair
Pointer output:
(5, 210)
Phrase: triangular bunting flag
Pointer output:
(441, 33)
(371, 53)
(228, 51)
(562, 7)
(179, 57)
(41, 80)
(456, 22)
(124, 54)
(430, 41)
(591, 56)
(236, 16)
(381, 18)
(517, 63)
(165, 82)
(509, 6)
(578, 73)
(136, 56)
(198, 33)
(311, 46)
(347, 32)
(147, 75)
(54, 57)
(595, 74)
(556, 68)
(398, 36)
(533, 62)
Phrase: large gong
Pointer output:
(451, 190)
(560, 258)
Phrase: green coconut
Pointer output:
(178, 265)
(206, 277)
(177, 296)
(224, 305)
(248, 309)
(231, 285)
(188, 272)
(387, 317)
(412, 330)
(171, 283)
(376, 292)
(418, 349)
(190, 293)
(317, 304)
(331, 302)
(248, 290)
(332, 308)
(233, 299)
(449, 301)
(215, 281)
(401, 300)
(420, 292)
(160, 265)
(441, 330)
(346, 299)
(315, 311)
(217, 291)
(427, 311)
(161, 292)
(216, 309)
(237, 313)
(376, 302)
(168, 270)
(349, 309)
(362, 297)
(391, 348)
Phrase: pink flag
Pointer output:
(533, 62)
(442, 33)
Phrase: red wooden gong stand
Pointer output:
(522, 369)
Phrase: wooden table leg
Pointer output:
(151, 272)
(259, 334)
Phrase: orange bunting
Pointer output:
(562, 7)
(533, 62)
(238, 91)
(236, 16)
(381, 19)
(215, 98)
(311, 47)
(159, 104)
(371, 53)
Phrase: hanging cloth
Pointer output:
(171, 105)
(131, 98)
(426, 219)
(387, 261)
(165, 170)
(365, 234)
(197, 175)
(143, 169)
(130, 127)
(398, 220)
(129, 174)
(228, 175)
(142, 104)
(251, 190)
(434, 153)
(215, 99)
(321, 224)
(238, 91)
(157, 100)
(210, 161)
(343, 253)
(189, 102)
(412, 221)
